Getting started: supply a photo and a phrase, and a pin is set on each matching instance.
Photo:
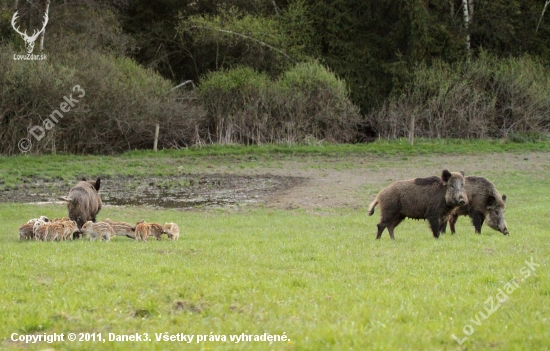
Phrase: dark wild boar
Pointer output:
(430, 198)
(484, 203)
(83, 201)
(26, 231)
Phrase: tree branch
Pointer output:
(542, 14)
(247, 37)
(276, 7)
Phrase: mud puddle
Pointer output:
(186, 191)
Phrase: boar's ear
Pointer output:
(491, 201)
(504, 197)
(97, 184)
(446, 175)
(462, 172)
(84, 179)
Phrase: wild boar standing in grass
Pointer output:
(430, 198)
(156, 230)
(83, 201)
(142, 230)
(484, 203)
(40, 229)
(26, 231)
(171, 230)
(42, 218)
(122, 228)
(54, 232)
(71, 228)
(100, 230)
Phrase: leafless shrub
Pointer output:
(486, 97)
(250, 108)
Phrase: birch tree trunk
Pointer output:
(466, 23)
(542, 14)
(44, 32)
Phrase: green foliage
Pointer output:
(233, 81)
(372, 45)
(118, 111)
(232, 38)
(248, 107)
(310, 76)
(484, 97)
(297, 30)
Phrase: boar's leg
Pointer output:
(452, 221)
(394, 224)
(443, 227)
(477, 219)
(389, 221)
(434, 225)
(481, 221)
(381, 228)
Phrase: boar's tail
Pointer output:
(372, 206)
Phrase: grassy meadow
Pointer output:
(320, 279)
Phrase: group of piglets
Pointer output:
(84, 203)
(441, 200)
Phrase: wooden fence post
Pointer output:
(156, 137)
(411, 131)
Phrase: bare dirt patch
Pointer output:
(337, 184)
(186, 191)
(311, 182)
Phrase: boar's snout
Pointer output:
(462, 200)
(505, 231)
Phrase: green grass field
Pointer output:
(322, 281)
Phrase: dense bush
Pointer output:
(308, 101)
(121, 105)
(484, 97)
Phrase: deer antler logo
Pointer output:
(29, 40)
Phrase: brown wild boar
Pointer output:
(156, 230)
(61, 219)
(40, 229)
(71, 228)
(54, 231)
(26, 231)
(142, 230)
(171, 230)
(122, 228)
(83, 201)
(100, 230)
(42, 218)
(484, 203)
(430, 198)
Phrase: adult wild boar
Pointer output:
(83, 201)
(484, 203)
(430, 198)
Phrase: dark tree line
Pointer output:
(372, 44)
(377, 60)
